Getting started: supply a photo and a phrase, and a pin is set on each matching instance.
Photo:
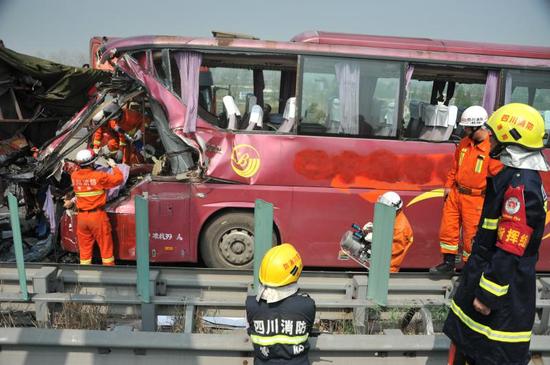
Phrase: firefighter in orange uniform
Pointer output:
(402, 231)
(124, 132)
(493, 310)
(465, 189)
(92, 221)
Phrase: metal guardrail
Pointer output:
(121, 347)
(339, 295)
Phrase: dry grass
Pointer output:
(9, 318)
(80, 316)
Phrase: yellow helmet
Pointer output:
(518, 124)
(281, 265)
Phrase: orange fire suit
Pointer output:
(130, 122)
(92, 221)
(466, 181)
(402, 241)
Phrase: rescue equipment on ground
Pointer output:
(356, 243)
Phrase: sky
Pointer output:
(62, 28)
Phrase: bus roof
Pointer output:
(422, 44)
(325, 43)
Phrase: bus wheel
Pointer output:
(228, 241)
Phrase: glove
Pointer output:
(137, 135)
(368, 237)
(111, 162)
(368, 226)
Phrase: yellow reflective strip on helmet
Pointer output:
(446, 246)
(501, 336)
(278, 340)
(108, 260)
(90, 193)
(492, 287)
(85, 262)
(489, 223)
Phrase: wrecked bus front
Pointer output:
(320, 130)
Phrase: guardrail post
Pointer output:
(43, 282)
(360, 317)
(18, 244)
(148, 310)
(382, 238)
(263, 235)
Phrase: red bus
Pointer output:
(319, 126)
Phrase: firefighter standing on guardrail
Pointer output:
(493, 310)
(92, 222)
(280, 318)
(465, 189)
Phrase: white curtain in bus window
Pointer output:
(490, 93)
(350, 96)
(529, 87)
(347, 74)
(189, 68)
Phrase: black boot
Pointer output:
(447, 267)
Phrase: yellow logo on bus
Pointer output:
(245, 160)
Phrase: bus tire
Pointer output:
(228, 241)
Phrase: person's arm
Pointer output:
(494, 167)
(249, 314)
(451, 175)
(402, 241)
(98, 134)
(113, 179)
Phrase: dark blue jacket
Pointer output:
(501, 272)
(279, 331)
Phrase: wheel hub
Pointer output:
(237, 246)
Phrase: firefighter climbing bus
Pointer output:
(319, 126)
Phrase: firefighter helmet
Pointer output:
(518, 124)
(391, 199)
(474, 116)
(281, 265)
(85, 157)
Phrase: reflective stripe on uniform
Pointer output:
(90, 193)
(501, 336)
(278, 340)
(85, 262)
(492, 287)
(465, 254)
(462, 154)
(446, 246)
(479, 164)
(108, 260)
(489, 223)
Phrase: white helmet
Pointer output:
(85, 157)
(474, 116)
(391, 199)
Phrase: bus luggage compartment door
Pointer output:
(169, 227)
